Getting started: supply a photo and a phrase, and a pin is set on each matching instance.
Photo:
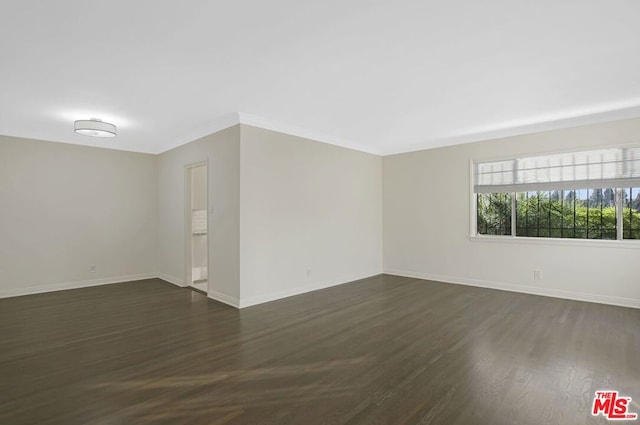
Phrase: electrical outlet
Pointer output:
(92, 268)
(537, 275)
(308, 273)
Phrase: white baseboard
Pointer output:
(200, 273)
(260, 299)
(525, 289)
(171, 279)
(39, 289)
(223, 298)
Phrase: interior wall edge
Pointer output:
(524, 289)
(223, 298)
(171, 279)
(39, 289)
(275, 296)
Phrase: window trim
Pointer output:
(608, 243)
(619, 217)
(604, 243)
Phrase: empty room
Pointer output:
(333, 212)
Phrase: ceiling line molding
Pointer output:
(236, 118)
(214, 126)
(520, 130)
(267, 124)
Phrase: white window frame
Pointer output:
(620, 242)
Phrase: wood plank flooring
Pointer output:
(384, 350)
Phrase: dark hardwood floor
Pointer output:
(384, 350)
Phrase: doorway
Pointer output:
(197, 227)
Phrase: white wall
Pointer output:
(426, 198)
(199, 188)
(289, 215)
(282, 206)
(64, 207)
(222, 151)
(311, 215)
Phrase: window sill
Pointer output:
(629, 243)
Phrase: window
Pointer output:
(494, 216)
(631, 213)
(582, 195)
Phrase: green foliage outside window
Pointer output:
(494, 213)
(581, 214)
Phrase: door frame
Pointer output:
(188, 258)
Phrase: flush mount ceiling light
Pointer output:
(94, 127)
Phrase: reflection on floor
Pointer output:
(201, 285)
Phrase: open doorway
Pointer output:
(197, 227)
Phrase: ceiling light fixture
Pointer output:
(95, 128)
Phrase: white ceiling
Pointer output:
(382, 76)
